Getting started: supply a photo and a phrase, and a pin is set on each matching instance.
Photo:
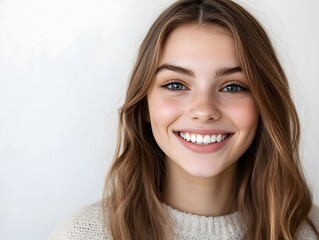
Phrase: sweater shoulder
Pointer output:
(87, 223)
(314, 215)
(305, 230)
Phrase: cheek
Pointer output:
(163, 110)
(245, 115)
(162, 113)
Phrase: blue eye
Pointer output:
(175, 86)
(232, 88)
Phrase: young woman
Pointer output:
(208, 138)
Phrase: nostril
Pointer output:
(207, 110)
(209, 116)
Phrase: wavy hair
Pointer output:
(271, 192)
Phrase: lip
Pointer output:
(202, 131)
(210, 148)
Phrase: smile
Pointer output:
(203, 139)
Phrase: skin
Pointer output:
(192, 93)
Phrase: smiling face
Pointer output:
(201, 111)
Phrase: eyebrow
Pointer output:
(177, 69)
(224, 71)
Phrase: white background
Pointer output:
(64, 66)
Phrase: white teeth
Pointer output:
(207, 139)
(199, 139)
(213, 139)
(188, 137)
(203, 139)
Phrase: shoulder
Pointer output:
(314, 215)
(305, 230)
(87, 223)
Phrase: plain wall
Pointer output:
(64, 66)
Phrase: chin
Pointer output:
(204, 171)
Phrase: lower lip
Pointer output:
(208, 148)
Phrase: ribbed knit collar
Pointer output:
(200, 227)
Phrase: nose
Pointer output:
(205, 108)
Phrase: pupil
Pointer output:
(176, 86)
(232, 88)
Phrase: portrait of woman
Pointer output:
(208, 138)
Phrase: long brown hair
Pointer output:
(271, 193)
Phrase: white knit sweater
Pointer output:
(88, 224)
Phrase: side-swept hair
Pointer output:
(271, 192)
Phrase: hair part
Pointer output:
(271, 192)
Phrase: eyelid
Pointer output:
(239, 88)
(171, 81)
(243, 86)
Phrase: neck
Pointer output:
(199, 195)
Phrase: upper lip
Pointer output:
(203, 131)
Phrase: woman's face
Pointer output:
(202, 114)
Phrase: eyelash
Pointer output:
(241, 87)
(171, 82)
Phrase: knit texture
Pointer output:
(88, 224)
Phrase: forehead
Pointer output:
(196, 42)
